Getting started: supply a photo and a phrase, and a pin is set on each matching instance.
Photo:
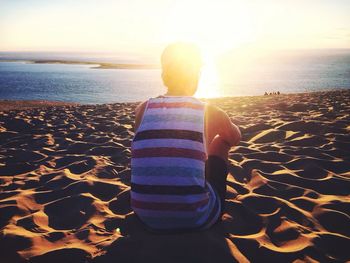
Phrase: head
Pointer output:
(181, 65)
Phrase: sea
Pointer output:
(289, 72)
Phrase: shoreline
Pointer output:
(14, 104)
(100, 65)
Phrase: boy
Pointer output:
(180, 150)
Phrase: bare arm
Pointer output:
(218, 123)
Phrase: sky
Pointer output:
(145, 27)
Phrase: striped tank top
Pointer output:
(168, 186)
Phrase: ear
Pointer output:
(164, 78)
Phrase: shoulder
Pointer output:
(213, 112)
(141, 107)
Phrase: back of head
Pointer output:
(181, 64)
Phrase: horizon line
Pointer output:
(130, 52)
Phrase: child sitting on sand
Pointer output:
(180, 150)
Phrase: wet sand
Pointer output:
(65, 177)
(6, 105)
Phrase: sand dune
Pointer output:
(65, 176)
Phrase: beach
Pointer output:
(65, 184)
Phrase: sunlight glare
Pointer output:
(208, 84)
(215, 29)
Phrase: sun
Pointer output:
(209, 82)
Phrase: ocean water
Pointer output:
(76, 83)
(288, 73)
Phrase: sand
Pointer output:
(65, 177)
(6, 105)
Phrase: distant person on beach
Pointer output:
(180, 150)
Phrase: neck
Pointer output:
(174, 93)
